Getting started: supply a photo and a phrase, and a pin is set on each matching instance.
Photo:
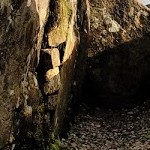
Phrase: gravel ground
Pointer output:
(106, 129)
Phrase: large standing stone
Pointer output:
(19, 26)
(30, 86)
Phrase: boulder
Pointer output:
(118, 59)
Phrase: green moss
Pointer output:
(147, 136)
(58, 33)
(54, 143)
(4, 3)
(68, 8)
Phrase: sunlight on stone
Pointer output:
(4, 3)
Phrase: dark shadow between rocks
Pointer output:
(119, 77)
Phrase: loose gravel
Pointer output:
(106, 129)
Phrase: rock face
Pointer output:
(18, 83)
(119, 54)
(41, 47)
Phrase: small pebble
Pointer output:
(94, 130)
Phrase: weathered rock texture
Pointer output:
(18, 84)
(41, 46)
(119, 53)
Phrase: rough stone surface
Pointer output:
(52, 102)
(55, 57)
(18, 21)
(52, 83)
(73, 62)
(118, 64)
(57, 34)
(26, 106)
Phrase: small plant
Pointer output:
(54, 143)
(147, 136)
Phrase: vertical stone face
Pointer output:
(57, 33)
(67, 26)
(19, 27)
(74, 61)
(47, 35)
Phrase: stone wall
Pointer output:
(18, 84)
(41, 47)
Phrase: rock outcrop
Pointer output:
(41, 47)
(119, 53)
(18, 84)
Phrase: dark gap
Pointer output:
(53, 17)
(61, 48)
(119, 77)
(42, 68)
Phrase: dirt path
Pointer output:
(99, 129)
